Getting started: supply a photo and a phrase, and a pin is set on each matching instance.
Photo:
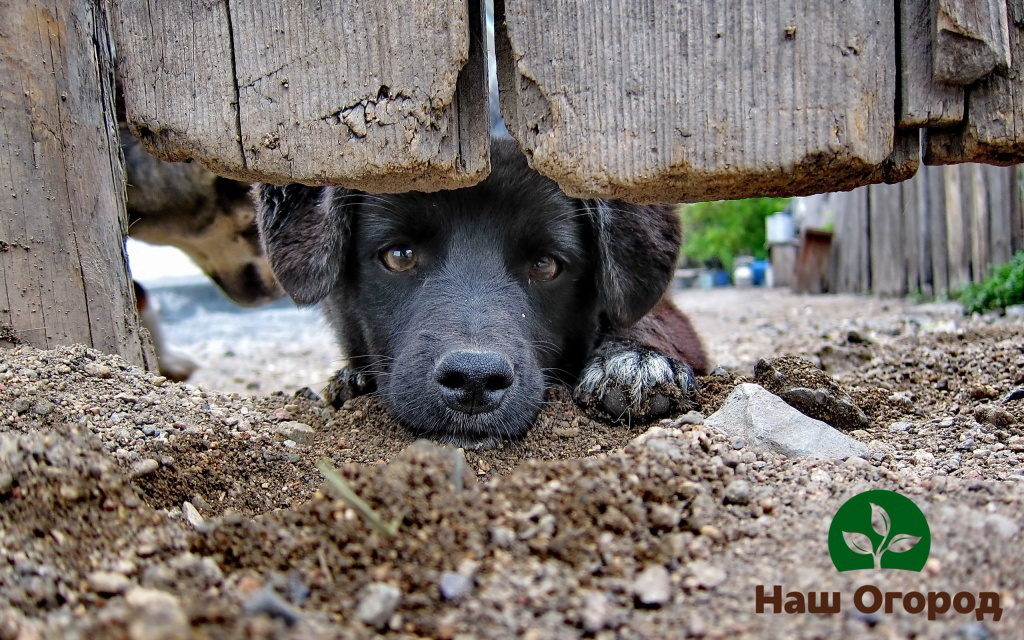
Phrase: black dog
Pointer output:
(459, 307)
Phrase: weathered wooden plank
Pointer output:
(888, 262)
(381, 96)
(994, 129)
(976, 204)
(63, 271)
(863, 239)
(971, 40)
(922, 234)
(1017, 207)
(923, 101)
(700, 100)
(1000, 230)
(839, 257)
(936, 208)
(908, 216)
(958, 235)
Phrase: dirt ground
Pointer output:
(132, 507)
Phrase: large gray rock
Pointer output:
(764, 420)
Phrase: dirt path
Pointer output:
(134, 507)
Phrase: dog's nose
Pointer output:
(473, 381)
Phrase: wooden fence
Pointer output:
(932, 234)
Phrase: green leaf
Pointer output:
(858, 542)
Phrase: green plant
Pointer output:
(1003, 287)
(725, 229)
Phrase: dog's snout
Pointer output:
(473, 381)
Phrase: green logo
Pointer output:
(879, 530)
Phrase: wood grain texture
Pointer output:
(994, 129)
(700, 100)
(923, 100)
(887, 242)
(380, 96)
(971, 40)
(63, 268)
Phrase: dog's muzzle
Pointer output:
(473, 381)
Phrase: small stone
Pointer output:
(900, 427)
(21, 405)
(108, 583)
(265, 601)
(738, 492)
(158, 381)
(720, 372)
(377, 604)
(503, 537)
(664, 516)
(1016, 394)
(454, 586)
(766, 422)
(652, 588)
(708, 576)
(42, 407)
(596, 611)
(144, 467)
(158, 615)
(566, 432)
(923, 458)
(98, 370)
(192, 516)
(993, 415)
(298, 432)
(691, 417)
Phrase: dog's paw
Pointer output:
(635, 383)
(347, 384)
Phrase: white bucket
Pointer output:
(779, 228)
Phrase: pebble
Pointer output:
(738, 492)
(298, 432)
(1016, 394)
(707, 575)
(596, 611)
(108, 583)
(42, 407)
(691, 417)
(98, 369)
(144, 467)
(900, 427)
(720, 372)
(923, 458)
(454, 586)
(266, 601)
(159, 615)
(377, 604)
(652, 588)
(192, 515)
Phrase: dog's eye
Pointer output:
(545, 269)
(398, 258)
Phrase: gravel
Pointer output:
(134, 507)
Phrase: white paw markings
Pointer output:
(637, 382)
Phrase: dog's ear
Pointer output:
(305, 232)
(638, 246)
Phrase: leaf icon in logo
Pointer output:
(858, 542)
(902, 542)
(880, 520)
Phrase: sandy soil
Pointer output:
(134, 507)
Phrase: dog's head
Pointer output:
(461, 303)
(227, 246)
